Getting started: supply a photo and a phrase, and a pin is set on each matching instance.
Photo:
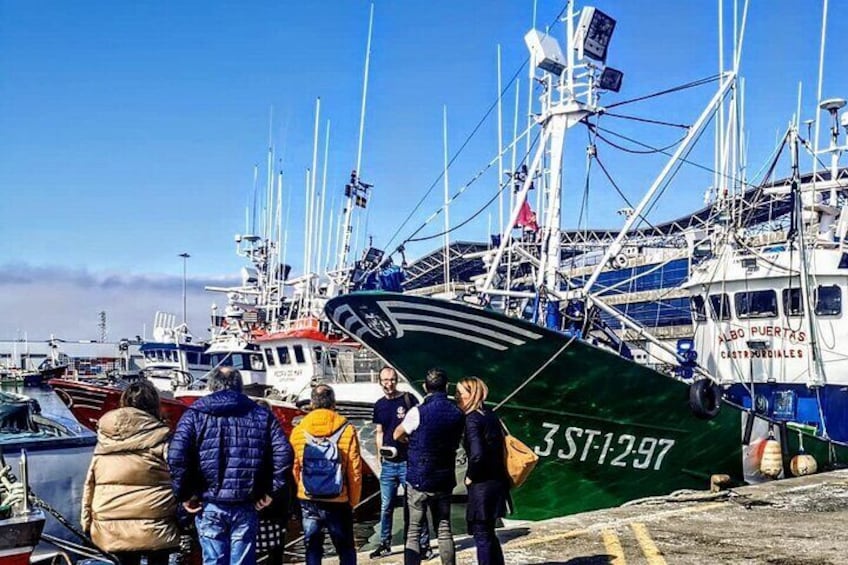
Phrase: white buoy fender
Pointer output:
(771, 464)
(803, 464)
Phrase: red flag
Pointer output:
(526, 218)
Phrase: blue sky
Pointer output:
(129, 131)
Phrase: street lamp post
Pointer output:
(185, 257)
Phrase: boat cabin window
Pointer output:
(269, 357)
(221, 359)
(239, 362)
(756, 304)
(283, 355)
(205, 359)
(828, 301)
(792, 303)
(256, 362)
(298, 354)
(193, 357)
(720, 306)
(698, 308)
(319, 351)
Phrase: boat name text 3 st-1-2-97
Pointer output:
(624, 450)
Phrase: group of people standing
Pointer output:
(229, 471)
(418, 444)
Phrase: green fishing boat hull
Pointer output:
(607, 430)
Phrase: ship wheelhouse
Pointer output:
(772, 339)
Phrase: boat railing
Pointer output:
(352, 366)
(453, 287)
(309, 323)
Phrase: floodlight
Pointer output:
(611, 79)
(843, 119)
(594, 32)
(373, 255)
(545, 51)
(249, 276)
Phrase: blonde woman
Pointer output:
(486, 477)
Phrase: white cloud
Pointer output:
(66, 302)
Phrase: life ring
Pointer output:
(619, 261)
(705, 399)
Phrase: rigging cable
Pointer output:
(592, 153)
(455, 155)
(412, 238)
(647, 120)
(620, 193)
(693, 84)
(651, 151)
(470, 135)
(535, 374)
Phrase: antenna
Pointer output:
(102, 325)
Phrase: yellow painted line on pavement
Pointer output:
(545, 539)
(613, 545)
(649, 548)
(586, 531)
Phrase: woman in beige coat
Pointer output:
(128, 507)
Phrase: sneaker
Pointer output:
(382, 550)
(427, 554)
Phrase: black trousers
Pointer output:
(488, 546)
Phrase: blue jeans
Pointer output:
(227, 533)
(392, 475)
(337, 517)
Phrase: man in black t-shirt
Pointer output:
(390, 411)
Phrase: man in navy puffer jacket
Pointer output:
(228, 459)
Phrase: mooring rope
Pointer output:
(535, 374)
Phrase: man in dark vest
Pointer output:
(434, 430)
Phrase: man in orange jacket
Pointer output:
(328, 472)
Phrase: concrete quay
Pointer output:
(799, 521)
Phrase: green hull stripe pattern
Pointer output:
(607, 430)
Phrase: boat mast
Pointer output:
(310, 229)
(562, 108)
(447, 199)
(500, 147)
(551, 232)
(728, 79)
(306, 223)
(269, 185)
(347, 227)
(819, 101)
(320, 234)
(274, 291)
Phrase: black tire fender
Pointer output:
(705, 399)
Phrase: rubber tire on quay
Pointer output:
(705, 399)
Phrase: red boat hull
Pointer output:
(19, 536)
(88, 402)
